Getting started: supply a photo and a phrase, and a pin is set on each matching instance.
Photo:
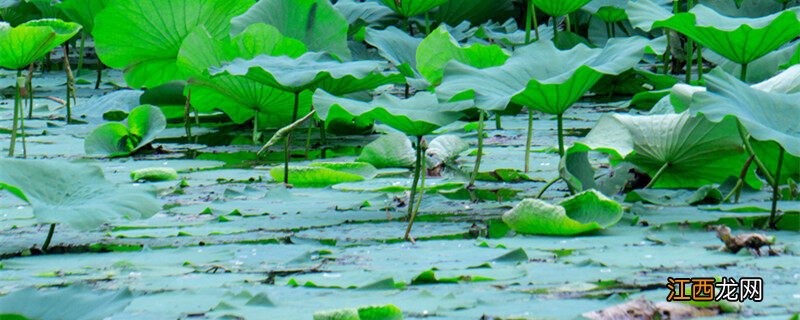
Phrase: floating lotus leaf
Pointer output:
(741, 40)
(387, 312)
(239, 97)
(416, 116)
(115, 139)
(560, 7)
(143, 37)
(691, 150)
(541, 76)
(70, 303)
(320, 175)
(314, 22)
(74, 194)
(584, 212)
(22, 45)
(440, 47)
(307, 72)
(410, 8)
(390, 151)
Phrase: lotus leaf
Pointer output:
(410, 8)
(115, 139)
(70, 303)
(581, 213)
(559, 8)
(440, 47)
(22, 45)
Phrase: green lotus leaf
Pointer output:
(70, 303)
(314, 22)
(387, 312)
(363, 169)
(143, 37)
(410, 8)
(367, 13)
(17, 12)
(541, 76)
(440, 47)
(445, 148)
(767, 116)
(115, 140)
(397, 47)
(417, 116)
(74, 194)
(559, 8)
(691, 150)
(154, 174)
(393, 150)
(82, 11)
(741, 40)
(240, 98)
(581, 213)
(22, 45)
(610, 11)
(314, 176)
(306, 72)
(475, 11)
(509, 34)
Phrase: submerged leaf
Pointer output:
(75, 194)
(584, 212)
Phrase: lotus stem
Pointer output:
(737, 189)
(424, 163)
(15, 121)
(49, 238)
(609, 26)
(700, 71)
(568, 22)
(29, 89)
(323, 136)
(308, 140)
(410, 27)
(417, 169)
(547, 186)
(667, 54)
(689, 64)
(657, 176)
(528, 21)
(288, 144)
(743, 75)
(80, 53)
(476, 170)
(532, 9)
(776, 190)
(555, 29)
(70, 84)
(427, 24)
(408, 90)
(560, 119)
(99, 74)
(187, 117)
(529, 141)
(498, 121)
(749, 147)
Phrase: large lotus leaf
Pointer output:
(767, 116)
(410, 8)
(70, 303)
(560, 7)
(306, 72)
(541, 76)
(475, 11)
(397, 47)
(741, 40)
(364, 13)
(82, 11)
(510, 35)
(608, 10)
(114, 139)
(416, 116)
(22, 45)
(584, 212)
(74, 194)
(143, 37)
(696, 151)
(314, 22)
(239, 97)
(440, 47)
(393, 150)
(17, 12)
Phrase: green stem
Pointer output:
(498, 121)
(286, 147)
(476, 170)
(187, 113)
(667, 54)
(323, 139)
(547, 186)
(743, 75)
(424, 164)
(529, 141)
(80, 52)
(560, 119)
(70, 84)
(532, 9)
(608, 30)
(749, 147)
(49, 238)
(99, 74)
(700, 71)
(15, 121)
(657, 176)
(417, 169)
(308, 138)
(689, 64)
(776, 189)
(256, 137)
(528, 21)
(29, 86)
(555, 28)
(427, 24)
(737, 189)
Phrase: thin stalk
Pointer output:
(49, 238)
(568, 22)
(547, 186)
(608, 30)
(477, 167)
(658, 175)
(80, 53)
(408, 91)
(15, 121)
(424, 163)
(528, 21)
(255, 129)
(532, 9)
(427, 24)
(498, 121)
(308, 139)
(689, 64)
(529, 141)
(99, 74)
(700, 71)
(737, 189)
(776, 189)
(555, 28)
(743, 75)
(417, 169)
(323, 136)
(187, 113)
(286, 148)
(29, 89)
(410, 27)
(749, 147)
(70, 84)
(560, 119)
(667, 55)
